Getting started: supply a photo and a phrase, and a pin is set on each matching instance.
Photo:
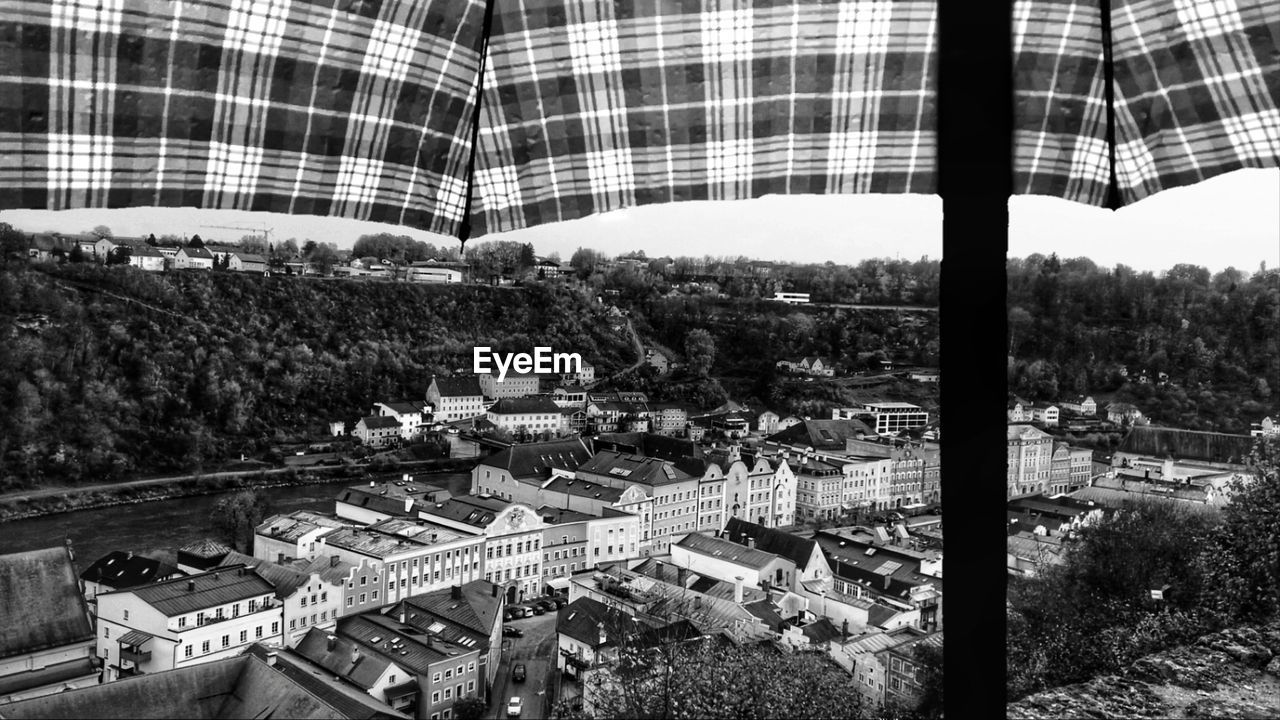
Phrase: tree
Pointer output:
(527, 257)
(12, 241)
(77, 254)
(255, 244)
(929, 658)
(151, 240)
(236, 516)
(584, 262)
(324, 255)
(700, 351)
(469, 708)
(1241, 562)
(119, 255)
(196, 242)
(102, 231)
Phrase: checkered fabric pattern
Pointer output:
(595, 105)
(1196, 88)
(352, 108)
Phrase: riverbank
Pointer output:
(42, 503)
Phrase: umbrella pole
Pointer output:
(1108, 79)
(464, 229)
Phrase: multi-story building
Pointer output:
(412, 414)
(296, 535)
(512, 385)
(1030, 460)
(1080, 405)
(511, 534)
(574, 541)
(180, 622)
(767, 422)
(307, 599)
(674, 492)
(193, 258)
(904, 676)
(759, 487)
(46, 639)
(1047, 415)
(570, 397)
(1070, 468)
(728, 561)
(377, 431)
(456, 398)
(527, 415)
(888, 417)
(518, 472)
(820, 483)
(120, 570)
(399, 557)
(669, 418)
(367, 504)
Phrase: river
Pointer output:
(160, 527)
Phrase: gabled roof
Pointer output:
(535, 460)
(40, 602)
(1019, 431)
(726, 550)
(380, 422)
(524, 405)
(406, 407)
(146, 251)
(415, 650)
(219, 587)
(477, 610)
(199, 252)
(793, 547)
(119, 570)
(585, 488)
(636, 469)
(582, 618)
(822, 434)
(207, 549)
(467, 386)
(283, 578)
(474, 510)
(363, 669)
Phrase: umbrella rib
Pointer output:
(1108, 79)
(464, 229)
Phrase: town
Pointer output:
(606, 540)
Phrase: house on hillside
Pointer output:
(455, 398)
(145, 257)
(411, 414)
(1122, 413)
(1080, 405)
(1266, 428)
(377, 430)
(193, 258)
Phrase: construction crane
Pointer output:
(266, 232)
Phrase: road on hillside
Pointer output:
(537, 652)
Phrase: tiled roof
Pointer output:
(535, 460)
(379, 422)
(408, 407)
(378, 633)
(636, 469)
(467, 386)
(293, 526)
(560, 516)
(206, 548)
(362, 669)
(793, 547)
(473, 510)
(119, 570)
(283, 578)
(728, 551)
(585, 488)
(219, 587)
(524, 405)
(201, 253)
(347, 701)
(581, 619)
(822, 434)
(40, 602)
(477, 611)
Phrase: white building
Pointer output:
(293, 536)
(425, 273)
(189, 258)
(512, 385)
(890, 417)
(308, 600)
(377, 431)
(145, 257)
(411, 415)
(457, 398)
(527, 414)
(512, 535)
(1045, 415)
(185, 621)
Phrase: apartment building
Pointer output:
(1030, 460)
(511, 536)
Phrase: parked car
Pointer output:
(514, 706)
(520, 611)
(508, 614)
(560, 602)
(518, 673)
(508, 631)
(547, 605)
(539, 610)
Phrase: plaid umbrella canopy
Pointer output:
(367, 108)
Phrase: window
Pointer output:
(350, 601)
(226, 641)
(448, 673)
(324, 615)
(364, 580)
(363, 598)
(293, 624)
(303, 621)
(204, 647)
(303, 603)
(199, 618)
(275, 628)
(448, 693)
(471, 686)
(107, 630)
(471, 666)
(435, 697)
(188, 651)
(244, 636)
(235, 610)
(375, 594)
(435, 678)
(253, 606)
(257, 632)
(126, 614)
(182, 621)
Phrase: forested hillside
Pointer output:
(1075, 327)
(109, 372)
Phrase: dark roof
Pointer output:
(560, 516)
(648, 444)
(581, 621)
(244, 686)
(475, 510)
(535, 460)
(634, 468)
(408, 646)
(205, 549)
(407, 407)
(821, 434)
(219, 587)
(521, 405)
(821, 631)
(726, 550)
(375, 422)
(585, 488)
(283, 578)
(72, 670)
(349, 701)
(467, 386)
(1162, 442)
(793, 547)
(477, 610)
(40, 602)
(361, 669)
(119, 570)
(197, 253)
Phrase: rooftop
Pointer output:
(40, 602)
(636, 469)
(380, 422)
(467, 386)
(362, 669)
(295, 525)
(726, 550)
(822, 434)
(524, 405)
(584, 488)
(535, 460)
(119, 569)
(793, 547)
(218, 587)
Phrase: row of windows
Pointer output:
(449, 673)
(449, 695)
(294, 623)
(189, 650)
(519, 548)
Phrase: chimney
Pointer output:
(737, 589)
(408, 502)
(601, 635)
(455, 592)
(402, 616)
(333, 561)
(271, 658)
(129, 556)
(355, 655)
(191, 586)
(751, 543)
(333, 642)
(215, 576)
(681, 575)
(279, 558)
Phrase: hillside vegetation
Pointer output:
(108, 372)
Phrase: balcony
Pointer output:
(134, 655)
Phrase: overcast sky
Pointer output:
(1230, 220)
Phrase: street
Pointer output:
(537, 651)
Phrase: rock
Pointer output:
(1273, 667)
(1215, 709)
